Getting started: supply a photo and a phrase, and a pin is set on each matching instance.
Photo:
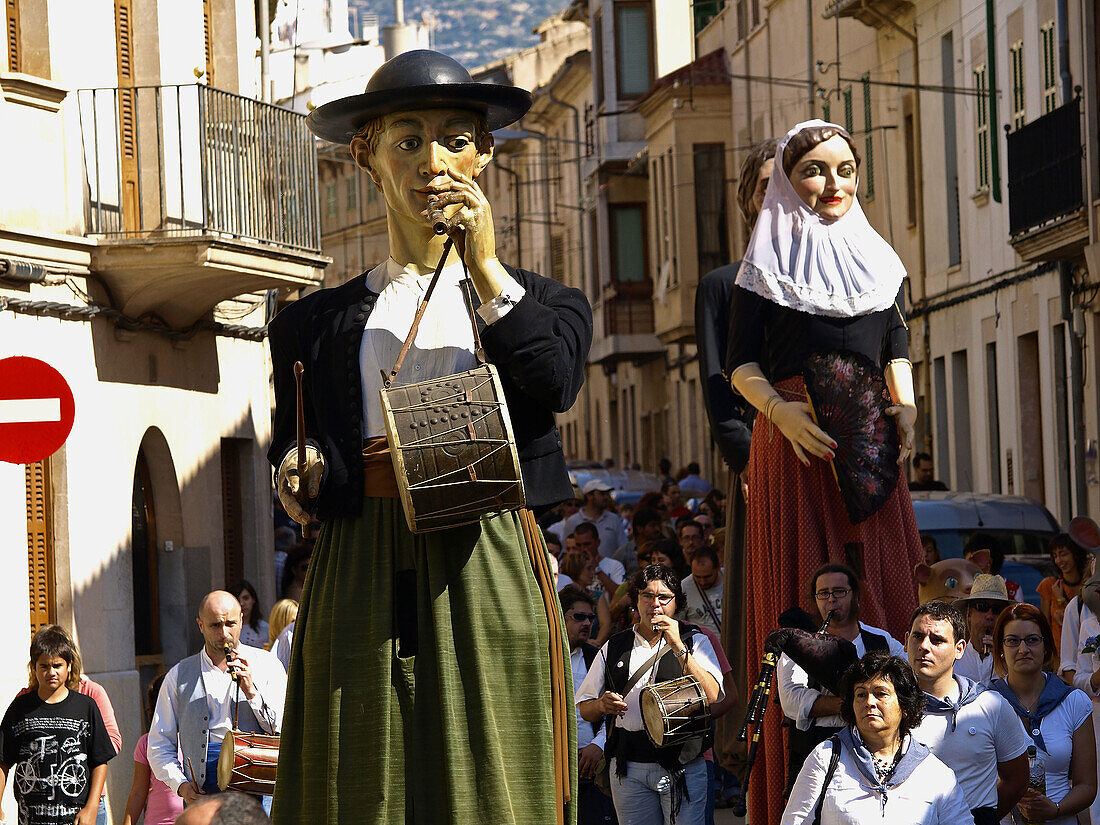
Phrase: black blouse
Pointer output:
(780, 339)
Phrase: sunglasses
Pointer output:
(986, 607)
(583, 617)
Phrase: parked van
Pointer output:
(1021, 527)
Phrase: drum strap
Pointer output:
(456, 240)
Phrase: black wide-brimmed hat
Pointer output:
(420, 79)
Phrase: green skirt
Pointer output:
(419, 687)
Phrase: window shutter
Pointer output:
(207, 40)
(127, 114)
(11, 32)
(40, 590)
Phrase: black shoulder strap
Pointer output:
(834, 760)
(589, 653)
(874, 642)
(618, 646)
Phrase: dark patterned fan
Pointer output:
(849, 397)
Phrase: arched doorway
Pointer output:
(148, 655)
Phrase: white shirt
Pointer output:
(988, 732)
(269, 679)
(797, 698)
(585, 737)
(930, 796)
(1071, 630)
(974, 667)
(1085, 663)
(609, 525)
(592, 686)
(696, 610)
(444, 343)
(1057, 728)
(281, 648)
(614, 570)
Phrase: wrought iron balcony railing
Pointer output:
(168, 161)
(1045, 169)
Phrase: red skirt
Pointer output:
(796, 523)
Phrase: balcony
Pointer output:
(196, 195)
(1046, 204)
(626, 321)
(873, 13)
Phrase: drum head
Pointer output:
(225, 761)
(653, 715)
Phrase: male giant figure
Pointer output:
(404, 704)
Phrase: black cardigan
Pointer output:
(540, 348)
(731, 417)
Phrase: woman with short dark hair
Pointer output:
(873, 770)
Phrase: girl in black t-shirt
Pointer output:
(53, 741)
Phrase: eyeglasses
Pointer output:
(660, 598)
(1034, 640)
(583, 617)
(835, 592)
(986, 607)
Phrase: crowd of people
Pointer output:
(945, 726)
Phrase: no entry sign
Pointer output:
(36, 410)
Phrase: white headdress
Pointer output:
(799, 259)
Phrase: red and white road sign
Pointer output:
(36, 410)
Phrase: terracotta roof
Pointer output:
(708, 70)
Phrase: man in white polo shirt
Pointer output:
(975, 733)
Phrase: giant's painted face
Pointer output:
(414, 152)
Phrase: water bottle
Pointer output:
(1036, 780)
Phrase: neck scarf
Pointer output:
(798, 259)
(968, 692)
(1054, 691)
(913, 753)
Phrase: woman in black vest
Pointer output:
(651, 786)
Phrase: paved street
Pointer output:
(726, 817)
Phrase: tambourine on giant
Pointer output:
(849, 397)
(823, 657)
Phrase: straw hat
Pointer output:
(987, 587)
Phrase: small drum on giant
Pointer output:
(454, 453)
(675, 711)
(248, 763)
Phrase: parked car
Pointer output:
(1022, 528)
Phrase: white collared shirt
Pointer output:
(269, 679)
(444, 343)
(592, 686)
(585, 737)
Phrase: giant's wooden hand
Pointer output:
(295, 493)
(475, 217)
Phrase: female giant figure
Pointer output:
(816, 277)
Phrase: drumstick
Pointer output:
(299, 369)
(191, 768)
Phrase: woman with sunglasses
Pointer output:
(1057, 717)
